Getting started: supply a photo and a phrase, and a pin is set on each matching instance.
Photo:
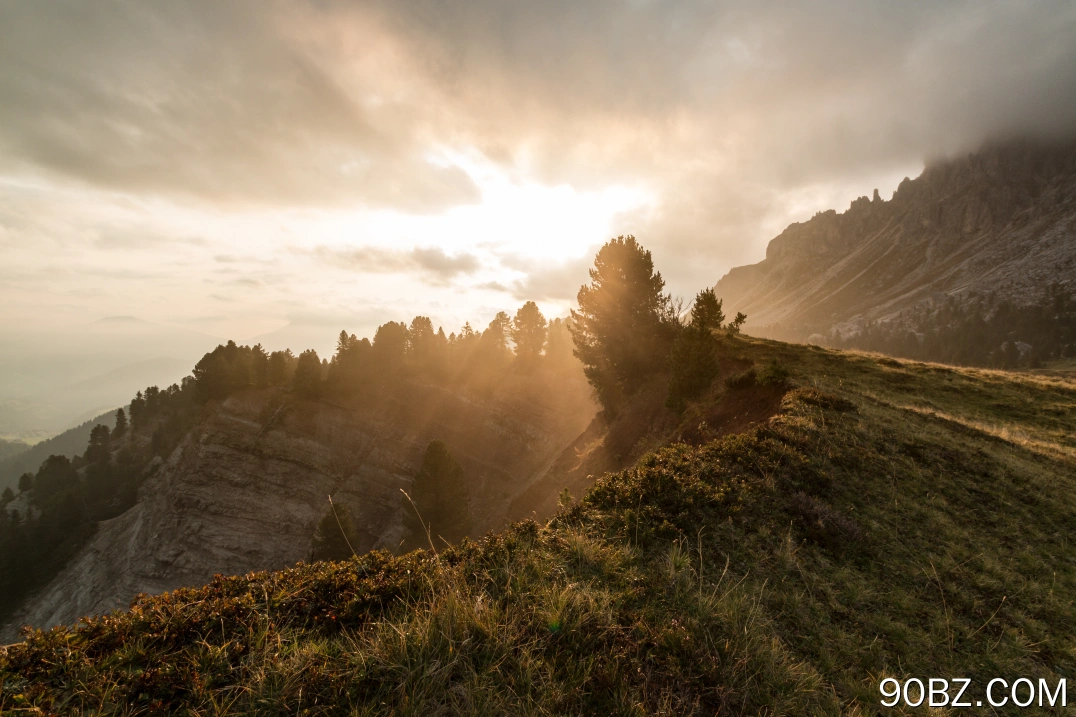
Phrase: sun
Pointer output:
(514, 218)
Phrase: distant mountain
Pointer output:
(1000, 221)
(299, 336)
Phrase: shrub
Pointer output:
(693, 366)
(335, 537)
(773, 373)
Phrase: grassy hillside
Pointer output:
(892, 519)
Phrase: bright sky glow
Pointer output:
(241, 274)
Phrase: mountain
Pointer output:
(886, 519)
(1001, 221)
(245, 489)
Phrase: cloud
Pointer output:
(436, 261)
(128, 238)
(216, 101)
(433, 262)
(345, 104)
(549, 281)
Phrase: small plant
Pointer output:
(677, 565)
(565, 499)
(335, 537)
(823, 524)
(743, 379)
(773, 373)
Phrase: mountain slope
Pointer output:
(892, 519)
(10, 449)
(246, 488)
(1001, 220)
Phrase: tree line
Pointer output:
(397, 352)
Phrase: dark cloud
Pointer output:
(794, 87)
(494, 286)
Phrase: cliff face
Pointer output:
(245, 489)
(1002, 220)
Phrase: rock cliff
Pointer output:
(1002, 220)
(245, 489)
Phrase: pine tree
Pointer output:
(121, 425)
(307, 379)
(734, 326)
(693, 366)
(335, 537)
(281, 366)
(138, 407)
(693, 359)
(625, 323)
(496, 334)
(706, 312)
(529, 331)
(98, 448)
(439, 496)
(389, 349)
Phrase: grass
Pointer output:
(894, 519)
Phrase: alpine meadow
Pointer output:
(368, 358)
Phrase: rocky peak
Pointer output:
(998, 219)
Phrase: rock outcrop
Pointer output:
(1001, 220)
(245, 489)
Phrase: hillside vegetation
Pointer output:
(892, 519)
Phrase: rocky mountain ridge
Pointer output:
(1000, 220)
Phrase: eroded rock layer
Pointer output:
(246, 488)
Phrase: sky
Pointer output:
(235, 168)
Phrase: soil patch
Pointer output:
(737, 411)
